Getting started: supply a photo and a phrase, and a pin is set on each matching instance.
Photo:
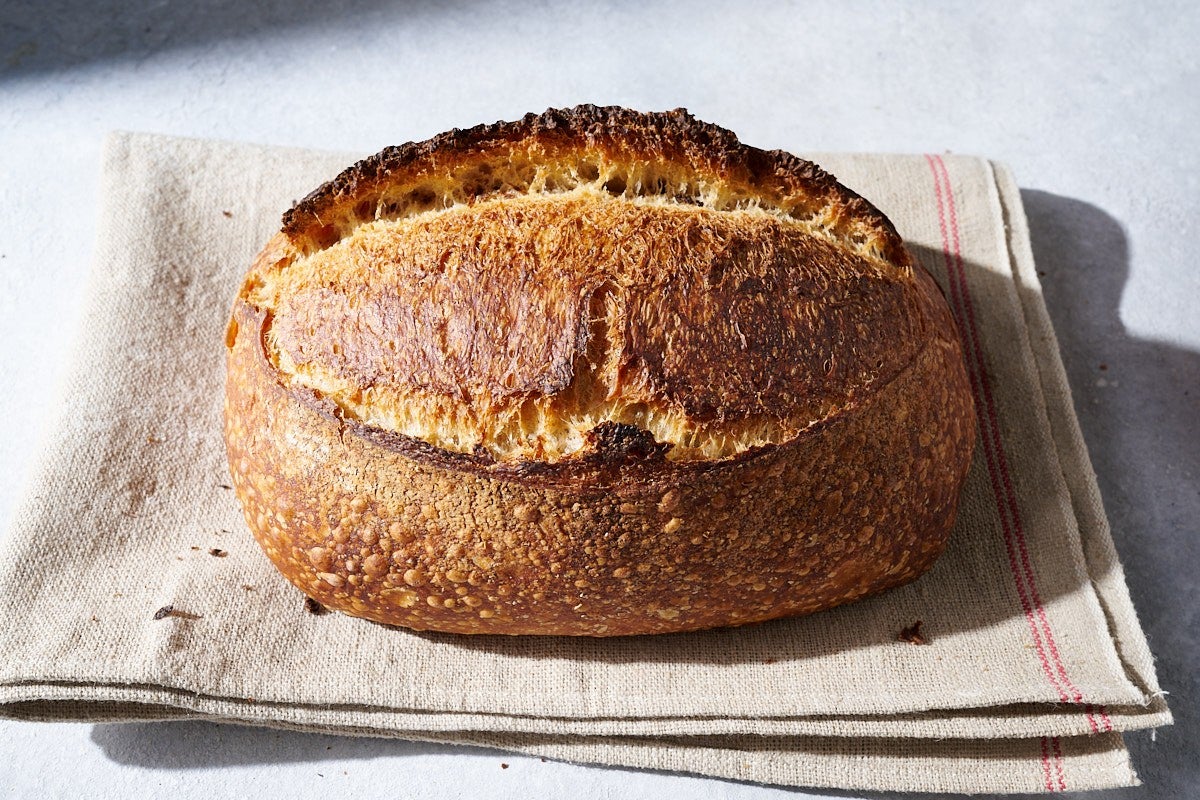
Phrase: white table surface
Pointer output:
(1096, 106)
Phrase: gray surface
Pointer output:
(1094, 105)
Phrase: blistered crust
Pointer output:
(627, 544)
(746, 401)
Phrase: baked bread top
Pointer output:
(587, 281)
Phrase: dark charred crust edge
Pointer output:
(667, 136)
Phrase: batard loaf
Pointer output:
(595, 372)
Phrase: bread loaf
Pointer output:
(595, 372)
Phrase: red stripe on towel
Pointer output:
(997, 463)
(1046, 764)
(1056, 743)
(990, 427)
(966, 324)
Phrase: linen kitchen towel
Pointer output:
(1033, 662)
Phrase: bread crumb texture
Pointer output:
(593, 372)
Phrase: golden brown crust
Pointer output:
(845, 392)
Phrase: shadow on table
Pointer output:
(1138, 403)
(40, 36)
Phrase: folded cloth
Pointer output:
(1032, 664)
